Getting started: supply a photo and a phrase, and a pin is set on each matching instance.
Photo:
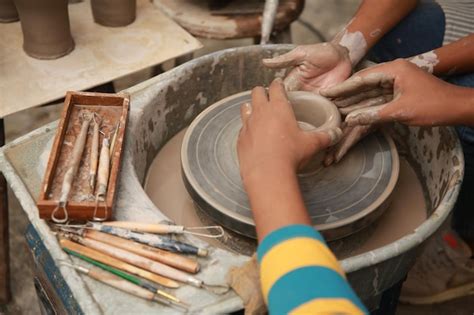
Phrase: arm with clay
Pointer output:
(326, 64)
(297, 269)
(413, 97)
(450, 59)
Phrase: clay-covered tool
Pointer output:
(341, 199)
(150, 239)
(169, 228)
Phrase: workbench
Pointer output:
(101, 54)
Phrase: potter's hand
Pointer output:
(350, 137)
(270, 134)
(419, 98)
(315, 66)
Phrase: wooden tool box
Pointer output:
(113, 112)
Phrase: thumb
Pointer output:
(245, 112)
(290, 59)
(322, 139)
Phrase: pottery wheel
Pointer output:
(341, 199)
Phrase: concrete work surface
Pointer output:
(326, 16)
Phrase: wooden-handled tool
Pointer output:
(106, 259)
(168, 258)
(121, 284)
(167, 229)
(153, 240)
(139, 261)
(147, 285)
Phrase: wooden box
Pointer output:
(112, 110)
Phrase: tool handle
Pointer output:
(139, 261)
(147, 228)
(168, 258)
(118, 283)
(106, 259)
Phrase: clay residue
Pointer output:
(165, 188)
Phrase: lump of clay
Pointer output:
(114, 12)
(45, 26)
(8, 11)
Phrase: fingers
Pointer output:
(289, 59)
(351, 100)
(323, 139)
(375, 101)
(259, 98)
(351, 136)
(292, 81)
(277, 93)
(245, 112)
(357, 84)
(365, 116)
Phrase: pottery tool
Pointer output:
(120, 284)
(108, 260)
(137, 260)
(167, 228)
(150, 239)
(102, 178)
(94, 152)
(131, 278)
(341, 199)
(114, 139)
(73, 167)
(156, 254)
(268, 19)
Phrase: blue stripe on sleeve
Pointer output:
(284, 233)
(305, 284)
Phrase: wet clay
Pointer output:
(45, 26)
(8, 12)
(165, 188)
(114, 12)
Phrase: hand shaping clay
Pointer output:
(114, 12)
(313, 112)
(45, 26)
(8, 11)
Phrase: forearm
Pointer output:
(453, 58)
(292, 255)
(275, 198)
(373, 19)
(298, 272)
(461, 99)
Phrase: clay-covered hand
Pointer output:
(351, 135)
(399, 91)
(270, 135)
(316, 66)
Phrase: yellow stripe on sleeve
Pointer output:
(293, 254)
(327, 307)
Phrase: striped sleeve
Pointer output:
(300, 275)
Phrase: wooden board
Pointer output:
(102, 54)
(112, 109)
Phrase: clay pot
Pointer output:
(114, 12)
(314, 112)
(8, 11)
(46, 30)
